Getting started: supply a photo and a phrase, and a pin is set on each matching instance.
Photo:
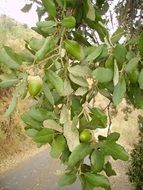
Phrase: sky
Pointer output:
(12, 8)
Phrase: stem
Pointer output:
(110, 119)
(48, 58)
(60, 46)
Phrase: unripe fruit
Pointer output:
(34, 85)
(85, 136)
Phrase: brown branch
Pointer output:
(110, 119)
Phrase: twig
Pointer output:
(110, 119)
(108, 105)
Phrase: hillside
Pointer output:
(12, 136)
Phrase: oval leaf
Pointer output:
(57, 146)
(50, 7)
(56, 81)
(74, 49)
(97, 180)
(95, 54)
(80, 71)
(140, 80)
(11, 107)
(44, 136)
(78, 80)
(49, 123)
(48, 93)
(69, 22)
(103, 74)
(67, 179)
(79, 153)
(119, 91)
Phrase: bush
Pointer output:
(136, 162)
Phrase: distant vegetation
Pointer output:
(12, 34)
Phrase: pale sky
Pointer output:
(12, 8)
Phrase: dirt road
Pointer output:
(42, 173)
(38, 173)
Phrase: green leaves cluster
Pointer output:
(74, 68)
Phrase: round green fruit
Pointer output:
(34, 85)
(85, 136)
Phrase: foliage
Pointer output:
(75, 59)
(129, 15)
(136, 162)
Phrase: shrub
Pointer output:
(136, 162)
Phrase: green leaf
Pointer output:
(8, 83)
(48, 44)
(103, 74)
(70, 133)
(69, 22)
(134, 76)
(79, 153)
(47, 27)
(95, 54)
(119, 91)
(56, 81)
(115, 150)
(99, 119)
(44, 136)
(64, 115)
(46, 24)
(11, 107)
(132, 65)
(11, 53)
(116, 74)
(76, 106)
(26, 8)
(74, 49)
(7, 60)
(78, 80)
(117, 35)
(81, 91)
(140, 79)
(48, 93)
(110, 62)
(36, 44)
(113, 136)
(67, 179)
(67, 88)
(21, 88)
(97, 180)
(38, 114)
(135, 95)
(50, 7)
(31, 132)
(97, 161)
(108, 170)
(80, 71)
(26, 56)
(85, 184)
(130, 55)
(57, 146)
(80, 38)
(65, 155)
(49, 123)
(120, 54)
(30, 121)
(91, 11)
(140, 44)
